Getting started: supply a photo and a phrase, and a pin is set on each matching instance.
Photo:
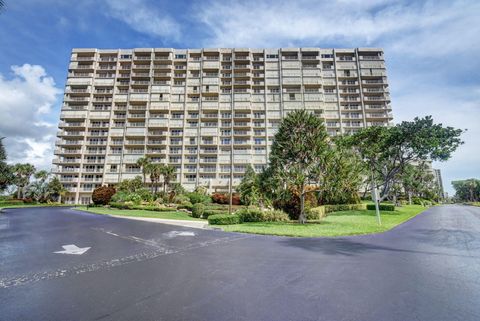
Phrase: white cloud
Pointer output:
(143, 18)
(431, 47)
(276, 23)
(25, 100)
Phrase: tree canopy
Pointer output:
(467, 190)
(298, 153)
(387, 150)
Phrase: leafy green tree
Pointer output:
(387, 150)
(56, 190)
(417, 180)
(22, 173)
(343, 176)
(248, 187)
(298, 150)
(143, 162)
(130, 185)
(6, 175)
(467, 190)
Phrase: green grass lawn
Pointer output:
(173, 215)
(335, 224)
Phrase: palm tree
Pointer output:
(169, 173)
(41, 175)
(155, 171)
(22, 172)
(143, 162)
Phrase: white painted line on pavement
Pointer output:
(73, 249)
(179, 233)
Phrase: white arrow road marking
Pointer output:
(178, 233)
(73, 249)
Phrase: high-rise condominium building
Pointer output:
(208, 112)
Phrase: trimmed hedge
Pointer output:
(250, 215)
(128, 206)
(275, 216)
(382, 207)
(11, 202)
(209, 212)
(345, 207)
(223, 219)
(320, 212)
(316, 213)
(186, 205)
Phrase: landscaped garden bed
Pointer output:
(334, 224)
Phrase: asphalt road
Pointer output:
(425, 269)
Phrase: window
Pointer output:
(180, 56)
(113, 168)
(272, 56)
(291, 96)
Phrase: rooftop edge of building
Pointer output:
(199, 50)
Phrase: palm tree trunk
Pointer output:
(19, 190)
(301, 218)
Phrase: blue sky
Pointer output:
(431, 47)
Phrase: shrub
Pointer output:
(181, 199)
(28, 200)
(291, 201)
(223, 219)
(250, 215)
(316, 213)
(102, 195)
(119, 196)
(382, 207)
(186, 205)
(207, 213)
(344, 207)
(134, 198)
(275, 216)
(197, 210)
(122, 206)
(200, 190)
(224, 198)
(220, 198)
(198, 198)
(145, 194)
(10, 202)
(417, 201)
(235, 199)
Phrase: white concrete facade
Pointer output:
(208, 112)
